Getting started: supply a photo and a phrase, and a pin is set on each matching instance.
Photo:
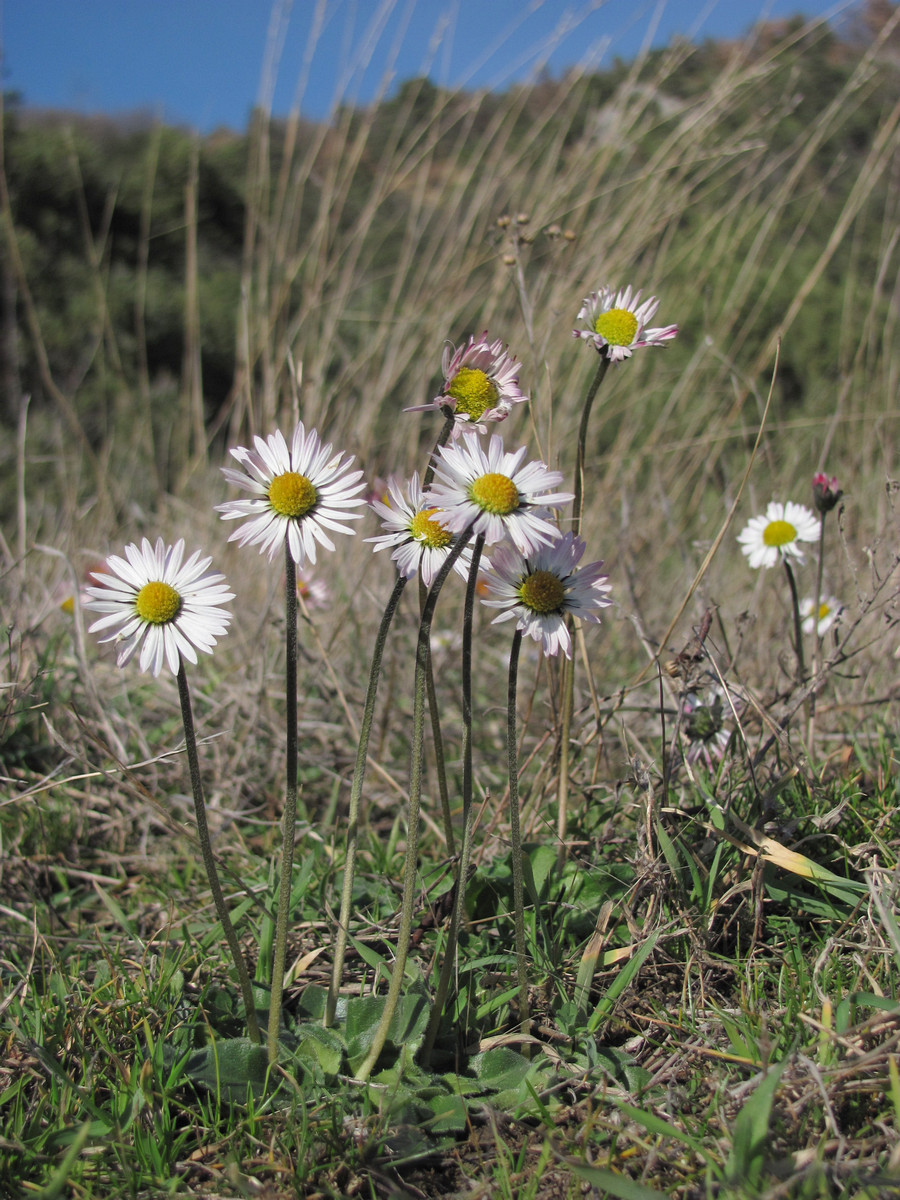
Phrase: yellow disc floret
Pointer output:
(542, 592)
(496, 494)
(425, 529)
(618, 326)
(157, 603)
(292, 495)
(473, 391)
(779, 533)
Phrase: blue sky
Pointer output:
(201, 62)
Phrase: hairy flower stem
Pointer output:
(515, 835)
(289, 819)
(423, 652)
(209, 861)
(817, 641)
(437, 739)
(798, 631)
(578, 502)
(359, 775)
(567, 677)
(465, 852)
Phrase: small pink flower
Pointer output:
(826, 492)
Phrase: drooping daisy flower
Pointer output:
(152, 601)
(420, 539)
(481, 383)
(704, 727)
(539, 590)
(495, 491)
(830, 611)
(298, 493)
(774, 537)
(616, 323)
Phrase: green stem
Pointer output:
(289, 819)
(465, 854)
(437, 738)
(423, 651)
(578, 502)
(359, 774)
(817, 641)
(567, 680)
(515, 835)
(209, 861)
(798, 632)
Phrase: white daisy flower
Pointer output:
(616, 323)
(420, 539)
(495, 491)
(299, 492)
(154, 602)
(481, 383)
(541, 589)
(773, 537)
(830, 610)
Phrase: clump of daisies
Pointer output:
(299, 492)
(780, 535)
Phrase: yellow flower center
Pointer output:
(495, 494)
(292, 495)
(779, 533)
(157, 603)
(542, 592)
(618, 326)
(473, 391)
(824, 610)
(427, 530)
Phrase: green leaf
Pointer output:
(407, 1026)
(846, 1013)
(620, 983)
(450, 1114)
(750, 1135)
(612, 1184)
(323, 1046)
(543, 864)
(500, 1068)
(659, 1128)
(60, 1176)
(230, 1067)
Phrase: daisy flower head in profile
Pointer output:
(617, 323)
(775, 536)
(481, 383)
(539, 590)
(494, 493)
(154, 602)
(830, 610)
(416, 534)
(298, 492)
